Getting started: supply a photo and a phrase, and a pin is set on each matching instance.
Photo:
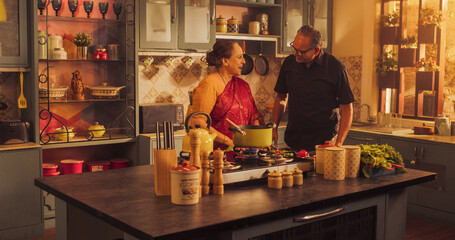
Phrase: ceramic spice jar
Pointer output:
(233, 25)
(319, 161)
(221, 24)
(297, 174)
(334, 163)
(288, 179)
(274, 180)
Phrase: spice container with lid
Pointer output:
(319, 161)
(59, 53)
(297, 174)
(334, 163)
(221, 24)
(274, 180)
(288, 180)
(185, 184)
(233, 25)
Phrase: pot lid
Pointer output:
(275, 173)
(49, 165)
(334, 149)
(185, 167)
(96, 126)
(297, 171)
(325, 145)
(233, 20)
(220, 19)
(285, 172)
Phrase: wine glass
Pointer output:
(72, 5)
(41, 6)
(88, 7)
(56, 5)
(103, 6)
(117, 9)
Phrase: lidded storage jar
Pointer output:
(297, 174)
(59, 53)
(334, 163)
(233, 25)
(288, 179)
(221, 24)
(185, 184)
(352, 161)
(319, 161)
(274, 180)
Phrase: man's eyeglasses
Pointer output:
(299, 52)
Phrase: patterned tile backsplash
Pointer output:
(9, 93)
(161, 83)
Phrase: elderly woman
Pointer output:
(224, 95)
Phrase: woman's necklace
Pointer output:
(239, 103)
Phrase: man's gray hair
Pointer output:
(316, 37)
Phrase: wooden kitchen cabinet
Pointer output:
(317, 13)
(14, 51)
(176, 25)
(20, 200)
(354, 138)
(436, 197)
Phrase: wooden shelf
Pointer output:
(80, 60)
(82, 141)
(42, 18)
(44, 101)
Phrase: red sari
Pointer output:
(236, 103)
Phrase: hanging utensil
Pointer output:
(249, 64)
(261, 64)
(21, 101)
(235, 125)
(171, 127)
(158, 140)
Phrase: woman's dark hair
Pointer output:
(221, 49)
(316, 37)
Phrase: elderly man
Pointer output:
(315, 85)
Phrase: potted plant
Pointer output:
(407, 51)
(389, 31)
(426, 71)
(430, 19)
(82, 41)
(386, 67)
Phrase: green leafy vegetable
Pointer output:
(380, 156)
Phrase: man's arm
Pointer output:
(345, 123)
(278, 109)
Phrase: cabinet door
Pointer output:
(13, 26)
(20, 200)
(158, 24)
(317, 13)
(196, 24)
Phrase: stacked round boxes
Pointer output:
(352, 160)
(334, 163)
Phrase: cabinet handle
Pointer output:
(310, 217)
(174, 12)
(421, 153)
(413, 161)
(362, 139)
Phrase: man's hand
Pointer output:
(275, 136)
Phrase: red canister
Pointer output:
(49, 168)
(71, 166)
(98, 166)
(119, 163)
(103, 54)
(97, 54)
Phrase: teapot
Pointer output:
(207, 138)
(97, 130)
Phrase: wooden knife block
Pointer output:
(165, 159)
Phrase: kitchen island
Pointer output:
(121, 203)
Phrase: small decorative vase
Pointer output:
(82, 52)
(77, 86)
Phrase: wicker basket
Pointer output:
(105, 91)
(53, 92)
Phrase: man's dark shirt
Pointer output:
(315, 94)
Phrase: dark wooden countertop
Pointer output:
(125, 198)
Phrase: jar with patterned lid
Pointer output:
(274, 180)
(297, 174)
(288, 180)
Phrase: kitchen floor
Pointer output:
(417, 228)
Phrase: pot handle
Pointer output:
(234, 129)
(209, 120)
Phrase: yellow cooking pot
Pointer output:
(63, 133)
(207, 138)
(257, 136)
(97, 130)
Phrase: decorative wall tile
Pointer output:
(9, 92)
(353, 65)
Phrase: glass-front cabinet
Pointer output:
(172, 24)
(13, 27)
(86, 54)
(317, 13)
